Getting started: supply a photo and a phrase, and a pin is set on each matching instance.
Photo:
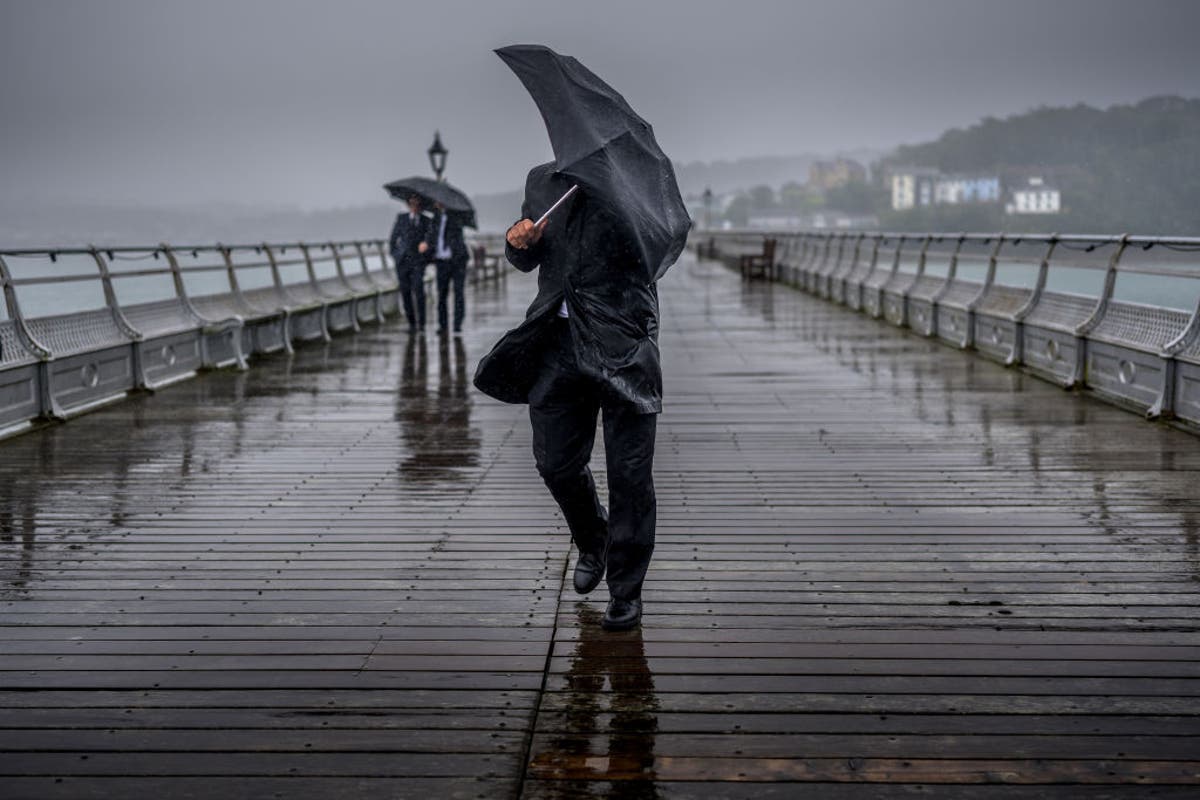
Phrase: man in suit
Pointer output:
(408, 247)
(449, 250)
(588, 345)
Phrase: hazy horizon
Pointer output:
(280, 104)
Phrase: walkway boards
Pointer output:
(884, 569)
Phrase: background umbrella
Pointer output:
(431, 191)
(601, 143)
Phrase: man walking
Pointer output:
(449, 250)
(588, 345)
(408, 246)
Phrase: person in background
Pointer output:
(409, 252)
(449, 250)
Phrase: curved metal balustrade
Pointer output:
(82, 327)
(1115, 315)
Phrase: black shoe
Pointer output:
(622, 615)
(589, 570)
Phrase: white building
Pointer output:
(1035, 197)
(913, 186)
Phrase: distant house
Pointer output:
(1034, 197)
(964, 189)
(823, 220)
(774, 219)
(913, 186)
(832, 174)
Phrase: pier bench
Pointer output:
(759, 264)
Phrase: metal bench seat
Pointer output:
(1061, 312)
(1125, 353)
(996, 333)
(340, 302)
(361, 284)
(221, 306)
(1142, 327)
(367, 306)
(89, 360)
(954, 313)
(1050, 343)
(265, 301)
(20, 380)
(175, 341)
(920, 303)
(1185, 401)
(895, 294)
(1003, 301)
(852, 284)
(12, 351)
(161, 317)
(264, 329)
(926, 287)
(68, 334)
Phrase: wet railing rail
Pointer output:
(84, 326)
(1115, 315)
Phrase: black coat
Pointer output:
(585, 257)
(454, 239)
(405, 240)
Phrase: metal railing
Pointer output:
(1115, 315)
(82, 327)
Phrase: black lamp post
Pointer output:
(708, 198)
(437, 155)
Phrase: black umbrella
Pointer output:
(601, 143)
(431, 191)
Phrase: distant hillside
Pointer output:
(1125, 168)
(743, 173)
(50, 224)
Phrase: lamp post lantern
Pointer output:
(437, 155)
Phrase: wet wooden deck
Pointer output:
(885, 569)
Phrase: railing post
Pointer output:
(326, 336)
(988, 280)
(177, 276)
(1087, 326)
(905, 311)
(110, 296)
(821, 272)
(1025, 310)
(308, 266)
(283, 298)
(951, 274)
(275, 276)
(337, 260)
(362, 259)
(231, 273)
(862, 285)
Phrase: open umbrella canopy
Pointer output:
(430, 192)
(601, 143)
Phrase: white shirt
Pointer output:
(443, 251)
(562, 310)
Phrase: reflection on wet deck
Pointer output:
(880, 561)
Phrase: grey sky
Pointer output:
(315, 104)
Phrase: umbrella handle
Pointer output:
(557, 203)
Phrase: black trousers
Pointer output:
(411, 278)
(451, 272)
(563, 406)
